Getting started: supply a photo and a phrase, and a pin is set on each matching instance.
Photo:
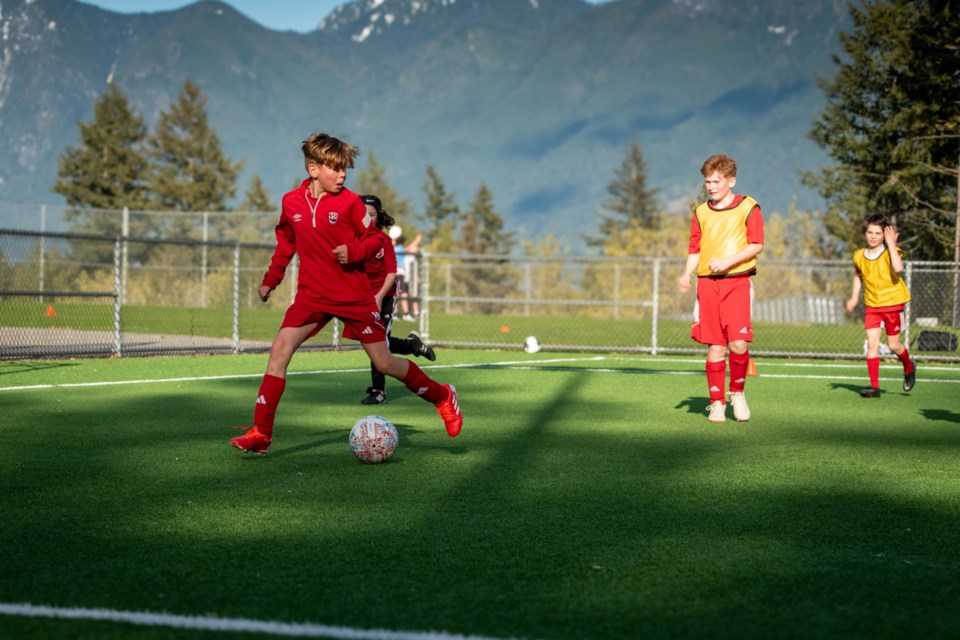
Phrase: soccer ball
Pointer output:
(373, 439)
(531, 344)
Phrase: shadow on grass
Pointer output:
(853, 388)
(694, 405)
(8, 368)
(941, 415)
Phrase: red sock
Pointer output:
(738, 370)
(905, 359)
(418, 382)
(267, 400)
(873, 368)
(717, 380)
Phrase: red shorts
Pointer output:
(891, 319)
(722, 314)
(360, 322)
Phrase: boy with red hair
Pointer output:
(726, 235)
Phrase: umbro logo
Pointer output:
(714, 388)
(297, 217)
(261, 400)
(421, 391)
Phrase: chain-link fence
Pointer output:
(65, 295)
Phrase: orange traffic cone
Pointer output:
(751, 368)
(50, 312)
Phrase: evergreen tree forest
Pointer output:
(892, 126)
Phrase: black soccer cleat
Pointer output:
(374, 396)
(910, 379)
(870, 392)
(420, 348)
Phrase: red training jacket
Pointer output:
(382, 264)
(312, 229)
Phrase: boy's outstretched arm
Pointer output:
(854, 294)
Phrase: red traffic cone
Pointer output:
(51, 313)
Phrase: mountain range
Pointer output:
(538, 99)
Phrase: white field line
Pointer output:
(232, 625)
(289, 373)
(520, 365)
(860, 365)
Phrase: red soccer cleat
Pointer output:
(252, 442)
(449, 410)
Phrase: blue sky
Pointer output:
(282, 15)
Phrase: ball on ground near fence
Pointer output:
(531, 344)
(373, 439)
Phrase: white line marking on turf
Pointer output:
(523, 365)
(232, 625)
(106, 383)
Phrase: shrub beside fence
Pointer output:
(76, 295)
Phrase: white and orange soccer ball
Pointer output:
(373, 439)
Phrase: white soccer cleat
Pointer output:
(740, 409)
(718, 411)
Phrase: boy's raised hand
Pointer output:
(890, 235)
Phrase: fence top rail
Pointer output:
(462, 257)
(518, 258)
(66, 235)
(60, 294)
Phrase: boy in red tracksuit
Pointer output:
(726, 235)
(329, 228)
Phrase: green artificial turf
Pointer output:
(587, 497)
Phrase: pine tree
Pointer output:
(482, 235)
(440, 212)
(110, 168)
(253, 227)
(891, 125)
(256, 198)
(191, 171)
(482, 229)
(372, 179)
(632, 202)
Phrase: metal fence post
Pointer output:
(125, 265)
(656, 306)
(236, 298)
(425, 295)
(616, 291)
(203, 260)
(909, 307)
(527, 285)
(449, 277)
(43, 245)
(117, 301)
